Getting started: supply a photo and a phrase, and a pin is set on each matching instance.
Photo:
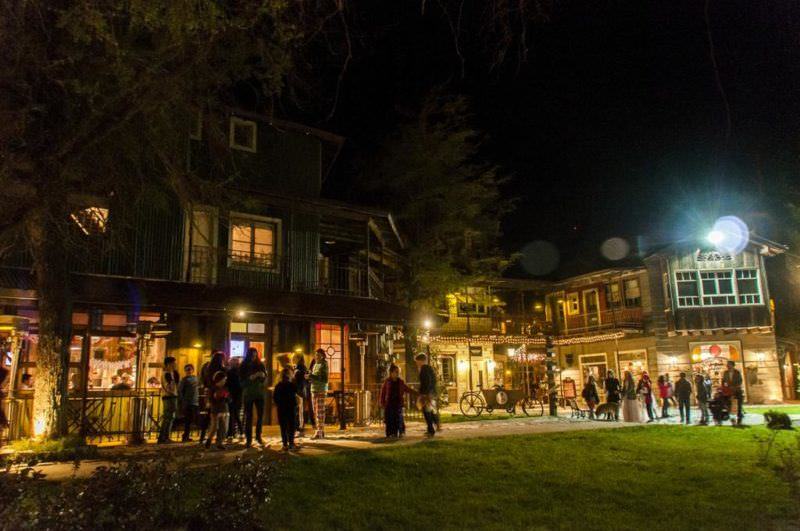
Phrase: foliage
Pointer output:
(447, 201)
(145, 495)
(777, 420)
(32, 451)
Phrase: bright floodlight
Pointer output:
(729, 235)
(427, 323)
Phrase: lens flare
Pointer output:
(615, 249)
(540, 257)
(729, 235)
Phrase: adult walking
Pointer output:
(732, 379)
(169, 399)
(253, 376)
(303, 391)
(612, 388)
(702, 385)
(319, 391)
(234, 385)
(590, 395)
(683, 392)
(645, 389)
(427, 393)
(631, 410)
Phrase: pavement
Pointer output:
(352, 439)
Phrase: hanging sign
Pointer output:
(476, 351)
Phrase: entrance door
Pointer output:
(597, 366)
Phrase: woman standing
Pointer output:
(590, 395)
(645, 388)
(631, 411)
(612, 387)
(319, 390)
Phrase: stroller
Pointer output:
(720, 406)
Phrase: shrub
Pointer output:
(777, 420)
(33, 451)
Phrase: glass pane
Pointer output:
(709, 287)
(112, 363)
(747, 286)
(255, 328)
(240, 328)
(687, 289)
(263, 236)
(237, 348)
(725, 285)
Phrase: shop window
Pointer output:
(329, 339)
(243, 134)
(573, 304)
(253, 242)
(633, 293)
(613, 296)
(112, 363)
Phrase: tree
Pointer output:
(97, 100)
(447, 201)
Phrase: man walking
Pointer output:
(427, 393)
(732, 378)
(683, 391)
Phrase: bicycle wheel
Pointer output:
(533, 407)
(471, 405)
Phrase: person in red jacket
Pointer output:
(392, 393)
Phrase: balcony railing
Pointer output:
(628, 318)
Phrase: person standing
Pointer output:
(645, 388)
(427, 393)
(303, 393)
(218, 408)
(319, 391)
(590, 396)
(4, 373)
(234, 386)
(188, 400)
(631, 410)
(207, 372)
(285, 397)
(253, 376)
(732, 378)
(683, 392)
(702, 387)
(169, 399)
(392, 393)
(663, 394)
(612, 388)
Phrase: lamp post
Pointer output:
(551, 377)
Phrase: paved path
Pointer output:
(336, 441)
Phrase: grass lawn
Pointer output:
(450, 418)
(668, 477)
(793, 409)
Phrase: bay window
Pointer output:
(728, 287)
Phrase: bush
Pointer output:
(33, 451)
(159, 493)
(777, 420)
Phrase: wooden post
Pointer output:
(85, 352)
(342, 423)
(369, 288)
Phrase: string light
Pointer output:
(512, 339)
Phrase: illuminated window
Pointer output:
(243, 134)
(447, 365)
(613, 296)
(329, 339)
(633, 293)
(91, 220)
(253, 242)
(573, 304)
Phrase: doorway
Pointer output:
(595, 365)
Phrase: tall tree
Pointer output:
(97, 100)
(447, 200)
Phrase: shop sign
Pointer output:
(476, 351)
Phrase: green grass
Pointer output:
(668, 477)
(793, 409)
(451, 418)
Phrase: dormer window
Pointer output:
(243, 134)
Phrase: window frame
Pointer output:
(476, 313)
(236, 218)
(702, 295)
(569, 299)
(236, 121)
(443, 360)
(635, 302)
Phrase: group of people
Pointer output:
(392, 399)
(637, 398)
(225, 389)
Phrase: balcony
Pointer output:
(620, 318)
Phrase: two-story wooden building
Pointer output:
(267, 263)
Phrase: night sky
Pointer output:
(614, 126)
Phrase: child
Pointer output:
(392, 392)
(188, 399)
(218, 408)
(285, 397)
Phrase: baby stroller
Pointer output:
(720, 406)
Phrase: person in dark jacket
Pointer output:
(392, 393)
(683, 392)
(612, 388)
(702, 387)
(253, 376)
(590, 395)
(732, 379)
(169, 399)
(427, 393)
(234, 385)
(207, 372)
(303, 392)
(188, 399)
(285, 397)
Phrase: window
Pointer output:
(633, 293)
(252, 243)
(747, 286)
(243, 134)
(573, 304)
(613, 296)
(91, 220)
(718, 288)
(448, 365)
(471, 308)
(329, 339)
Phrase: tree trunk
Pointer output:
(45, 232)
